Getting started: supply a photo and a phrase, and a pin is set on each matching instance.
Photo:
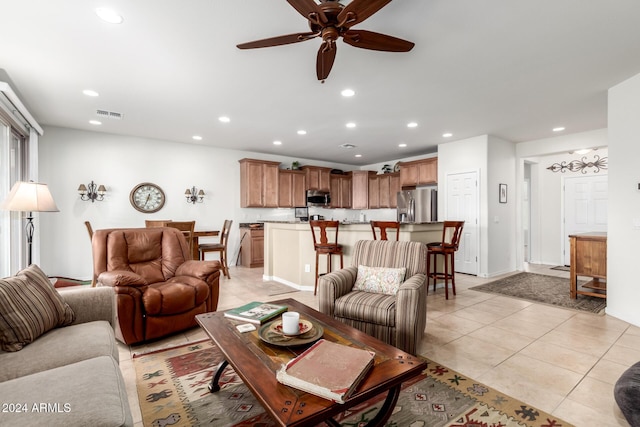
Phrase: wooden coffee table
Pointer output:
(256, 362)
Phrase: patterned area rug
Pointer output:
(172, 388)
(543, 289)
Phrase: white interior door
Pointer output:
(585, 207)
(462, 205)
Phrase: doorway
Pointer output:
(462, 205)
(585, 207)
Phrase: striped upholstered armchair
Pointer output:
(352, 295)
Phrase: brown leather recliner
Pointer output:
(159, 288)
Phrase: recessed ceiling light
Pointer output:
(402, 145)
(558, 129)
(447, 135)
(197, 137)
(347, 93)
(224, 119)
(351, 125)
(109, 15)
(90, 92)
(277, 142)
(95, 122)
(583, 151)
(358, 155)
(412, 125)
(302, 132)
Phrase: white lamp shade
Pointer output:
(30, 197)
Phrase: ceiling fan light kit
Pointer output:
(331, 20)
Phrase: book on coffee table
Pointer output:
(327, 369)
(256, 312)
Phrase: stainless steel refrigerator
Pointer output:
(419, 205)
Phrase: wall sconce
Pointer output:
(194, 195)
(93, 193)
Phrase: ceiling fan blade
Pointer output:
(359, 10)
(278, 41)
(376, 41)
(310, 10)
(326, 57)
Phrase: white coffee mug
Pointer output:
(290, 322)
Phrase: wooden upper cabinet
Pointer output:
(291, 188)
(374, 192)
(258, 183)
(394, 188)
(360, 189)
(340, 190)
(419, 172)
(318, 178)
(384, 190)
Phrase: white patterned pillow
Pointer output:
(379, 280)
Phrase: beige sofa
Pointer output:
(70, 375)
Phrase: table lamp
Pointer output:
(29, 197)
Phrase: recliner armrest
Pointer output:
(200, 269)
(121, 278)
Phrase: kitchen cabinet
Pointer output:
(360, 189)
(374, 192)
(340, 191)
(258, 183)
(384, 189)
(291, 188)
(419, 172)
(394, 188)
(252, 247)
(318, 178)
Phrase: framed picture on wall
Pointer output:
(502, 188)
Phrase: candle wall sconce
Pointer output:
(193, 195)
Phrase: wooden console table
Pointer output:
(589, 258)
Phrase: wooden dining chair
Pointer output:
(187, 228)
(382, 227)
(155, 222)
(221, 247)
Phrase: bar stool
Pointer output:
(324, 245)
(383, 226)
(448, 247)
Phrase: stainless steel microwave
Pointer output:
(318, 198)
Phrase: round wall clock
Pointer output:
(147, 197)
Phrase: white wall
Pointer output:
(623, 239)
(467, 155)
(501, 217)
(70, 157)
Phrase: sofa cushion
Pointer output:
(380, 280)
(367, 306)
(29, 307)
(59, 347)
(87, 393)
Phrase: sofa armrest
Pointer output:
(121, 278)
(411, 313)
(90, 304)
(332, 286)
(200, 269)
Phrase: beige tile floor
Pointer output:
(561, 361)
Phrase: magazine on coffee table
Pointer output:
(327, 369)
(256, 312)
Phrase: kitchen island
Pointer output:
(289, 256)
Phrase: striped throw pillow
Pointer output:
(29, 307)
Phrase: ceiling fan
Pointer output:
(331, 20)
